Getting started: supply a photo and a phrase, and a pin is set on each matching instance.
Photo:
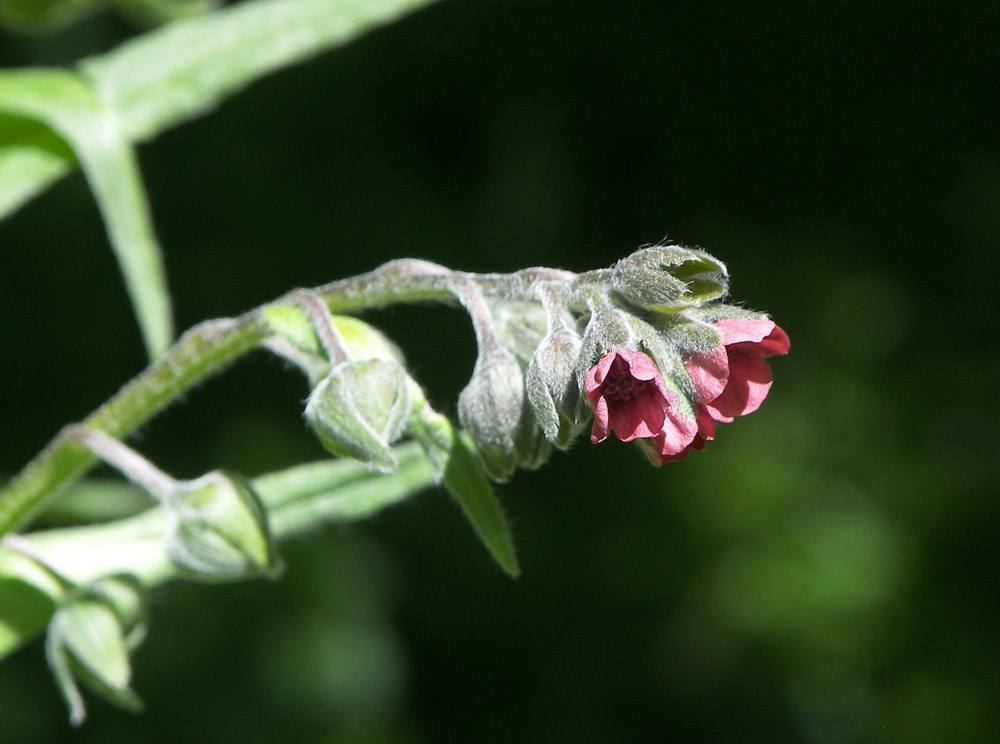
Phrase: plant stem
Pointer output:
(297, 500)
(204, 349)
(210, 346)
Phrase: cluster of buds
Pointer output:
(646, 348)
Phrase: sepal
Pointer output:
(301, 346)
(519, 326)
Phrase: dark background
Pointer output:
(825, 572)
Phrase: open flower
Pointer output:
(733, 379)
(631, 398)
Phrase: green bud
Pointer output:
(531, 448)
(217, 529)
(301, 346)
(89, 640)
(519, 326)
(551, 385)
(491, 408)
(669, 277)
(360, 409)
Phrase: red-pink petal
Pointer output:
(641, 417)
(776, 342)
(706, 426)
(597, 373)
(641, 367)
(739, 330)
(599, 432)
(759, 337)
(710, 372)
(749, 383)
(678, 432)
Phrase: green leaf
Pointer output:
(187, 67)
(32, 156)
(340, 490)
(96, 500)
(464, 479)
(63, 102)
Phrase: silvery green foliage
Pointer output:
(669, 277)
(217, 529)
(360, 410)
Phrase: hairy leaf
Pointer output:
(64, 103)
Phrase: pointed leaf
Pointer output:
(464, 479)
(185, 68)
(340, 490)
(64, 103)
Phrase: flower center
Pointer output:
(625, 388)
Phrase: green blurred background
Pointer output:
(824, 573)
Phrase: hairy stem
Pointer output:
(297, 499)
(210, 346)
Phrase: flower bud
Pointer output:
(551, 385)
(669, 277)
(298, 342)
(519, 326)
(491, 408)
(89, 639)
(360, 409)
(530, 445)
(217, 529)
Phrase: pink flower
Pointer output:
(733, 379)
(631, 398)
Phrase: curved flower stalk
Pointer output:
(644, 350)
